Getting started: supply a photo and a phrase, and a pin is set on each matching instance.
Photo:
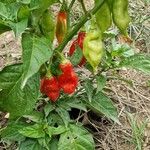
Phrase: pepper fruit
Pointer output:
(47, 25)
(78, 42)
(103, 16)
(120, 15)
(68, 80)
(61, 26)
(50, 87)
(93, 47)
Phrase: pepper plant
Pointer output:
(41, 93)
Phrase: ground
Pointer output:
(133, 99)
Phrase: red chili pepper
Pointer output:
(68, 80)
(81, 36)
(78, 42)
(50, 87)
(61, 26)
(66, 67)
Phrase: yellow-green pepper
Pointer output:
(93, 47)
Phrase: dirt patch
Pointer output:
(10, 49)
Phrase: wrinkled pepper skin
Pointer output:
(103, 16)
(61, 26)
(93, 48)
(50, 87)
(120, 15)
(48, 25)
(68, 80)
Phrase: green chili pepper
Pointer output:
(103, 16)
(120, 15)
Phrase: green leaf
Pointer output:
(88, 85)
(54, 118)
(53, 145)
(77, 56)
(55, 130)
(78, 105)
(7, 1)
(71, 102)
(9, 11)
(34, 131)
(14, 100)
(120, 50)
(64, 115)
(102, 104)
(3, 27)
(38, 7)
(10, 75)
(30, 144)
(139, 62)
(44, 142)
(36, 51)
(35, 116)
(48, 108)
(11, 132)
(41, 4)
(24, 1)
(101, 82)
(19, 27)
(76, 138)
(4, 13)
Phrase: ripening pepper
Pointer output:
(68, 80)
(61, 26)
(103, 16)
(78, 42)
(50, 87)
(93, 47)
(120, 15)
(47, 25)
